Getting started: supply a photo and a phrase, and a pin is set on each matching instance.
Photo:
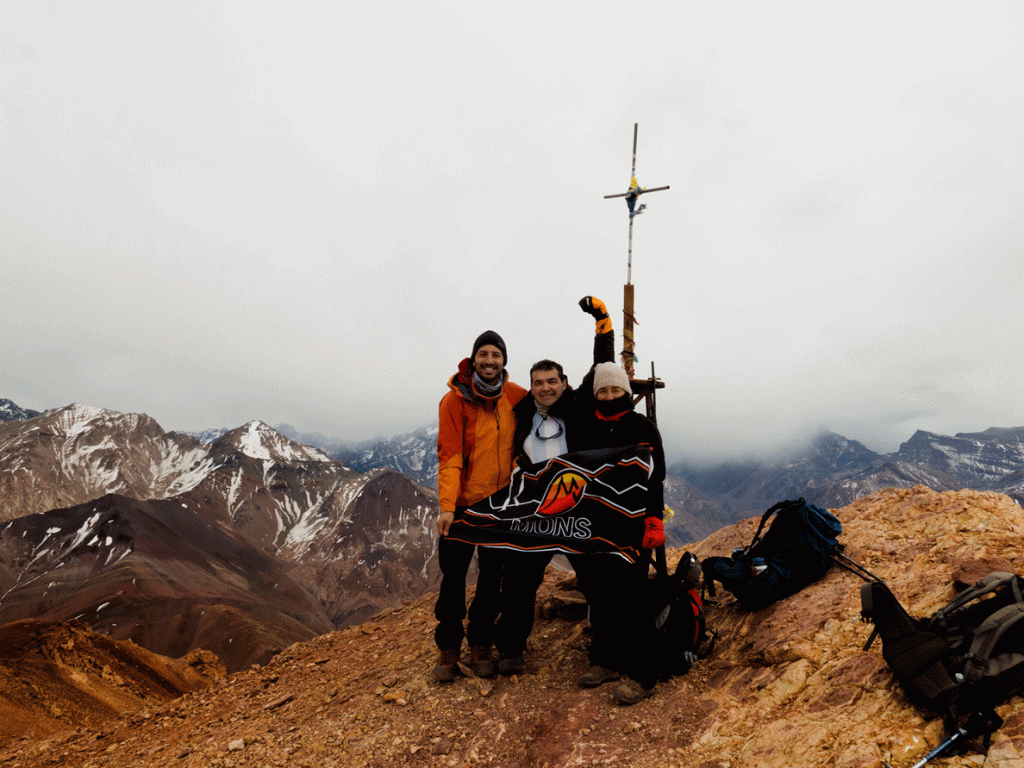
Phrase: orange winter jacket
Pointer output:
(474, 440)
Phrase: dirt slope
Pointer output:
(787, 686)
(59, 675)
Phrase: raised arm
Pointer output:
(604, 341)
(604, 334)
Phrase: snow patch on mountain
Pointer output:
(10, 411)
(194, 467)
(75, 419)
(208, 435)
(305, 530)
(314, 520)
(260, 441)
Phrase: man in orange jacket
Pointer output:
(474, 460)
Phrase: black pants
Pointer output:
(623, 629)
(502, 610)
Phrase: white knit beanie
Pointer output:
(611, 375)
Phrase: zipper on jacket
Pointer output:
(497, 447)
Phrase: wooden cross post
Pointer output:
(646, 387)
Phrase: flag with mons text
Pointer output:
(577, 503)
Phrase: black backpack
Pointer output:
(963, 660)
(681, 633)
(797, 549)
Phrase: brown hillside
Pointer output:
(786, 686)
(54, 676)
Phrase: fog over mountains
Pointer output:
(413, 454)
(244, 541)
(828, 469)
(833, 471)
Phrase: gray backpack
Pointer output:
(963, 660)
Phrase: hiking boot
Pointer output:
(447, 668)
(483, 661)
(598, 675)
(512, 665)
(630, 692)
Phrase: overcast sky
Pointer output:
(305, 212)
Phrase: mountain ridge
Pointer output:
(84, 491)
(826, 468)
(832, 470)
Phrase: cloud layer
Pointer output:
(213, 214)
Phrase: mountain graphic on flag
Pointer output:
(563, 493)
(588, 501)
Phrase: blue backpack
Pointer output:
(797, 549)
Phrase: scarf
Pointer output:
(485, 389)
(613, 410)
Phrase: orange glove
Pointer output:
(595, 307)
(654, 533)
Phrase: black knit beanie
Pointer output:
(490, 337)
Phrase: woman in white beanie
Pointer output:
(622, 639)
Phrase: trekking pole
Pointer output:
(854, 567)
(660, 561)
(960, 734)
(978, 724)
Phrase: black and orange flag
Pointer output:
(583, 502)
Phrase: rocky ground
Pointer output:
(56, 675)
(786, 686)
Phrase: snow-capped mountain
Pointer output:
(70, 455)
(413, 454)
(251, 539)
(372, 541)
(357, 542)
(978, 460)
(9, 411)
